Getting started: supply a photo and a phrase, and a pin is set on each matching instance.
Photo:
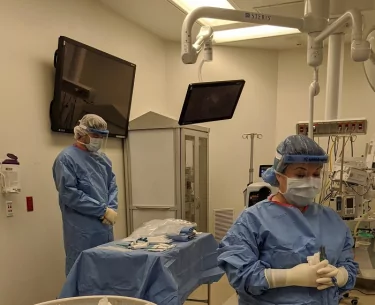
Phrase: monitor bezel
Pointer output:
(191, 87)
(59, 65)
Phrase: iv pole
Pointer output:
(252, 136)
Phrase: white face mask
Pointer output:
(302, 191)
(95, 144)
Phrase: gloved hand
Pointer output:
(302, 275)
(314, 260)
(329, 274)
(110, 215)
(106, 222)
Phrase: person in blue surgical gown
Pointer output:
(265, 253)
(87, 189)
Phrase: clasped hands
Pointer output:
(109, 217)
(314, 273)
(328, 275)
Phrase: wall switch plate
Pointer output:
(9, 208)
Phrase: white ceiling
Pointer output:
(165, 20)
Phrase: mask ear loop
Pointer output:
(286, 184)
(282, 175)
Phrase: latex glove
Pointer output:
(331, 274)
(110, 215)
(314, 260)
(106, 222)
(302, 275)
(104, 301)
(326, 274)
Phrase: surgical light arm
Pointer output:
(189, 51)
(204, 36)
(360, 48)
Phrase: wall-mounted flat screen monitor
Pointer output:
(90, 81)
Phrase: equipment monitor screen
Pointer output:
(210, 101)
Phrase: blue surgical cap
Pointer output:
(91, 123)
(294, 149)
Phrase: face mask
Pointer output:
(302, 191)
(94, 145)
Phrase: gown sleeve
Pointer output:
(239, 257)
(346, 260)
(71, 196)
(113, 193)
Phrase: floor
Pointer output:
(363, 299)
(220, 293)
(223, 294)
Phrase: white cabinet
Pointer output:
(166, 171)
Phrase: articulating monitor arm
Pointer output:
(204, 36)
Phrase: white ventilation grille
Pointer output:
(223, 221)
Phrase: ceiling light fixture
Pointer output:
(253, 32)
(190, 5)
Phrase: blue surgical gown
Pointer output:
(86, 186)
(271, 235)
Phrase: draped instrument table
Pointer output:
(160, 277)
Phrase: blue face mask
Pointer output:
(302, 191)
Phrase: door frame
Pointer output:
(196, 135)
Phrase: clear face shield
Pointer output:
(98, 139)
(299, 159)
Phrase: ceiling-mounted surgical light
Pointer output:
(190, 5)
(253, 32)
(231, 35)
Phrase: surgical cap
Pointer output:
(294, 149)
(90, 123)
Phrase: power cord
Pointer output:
(200, 70)
(207, 56)
(352, 188)
(364, 293)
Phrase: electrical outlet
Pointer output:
(342, 127)
(9, 208)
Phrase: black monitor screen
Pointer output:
(214, 101)
(91, 81)
(262, 169)
(349, 203)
